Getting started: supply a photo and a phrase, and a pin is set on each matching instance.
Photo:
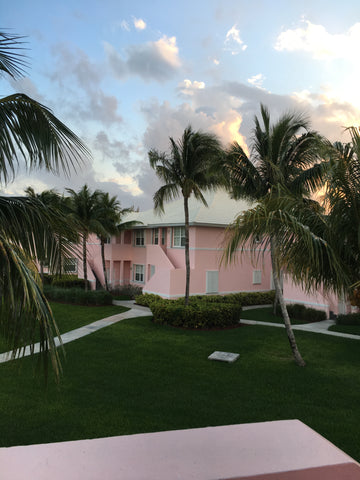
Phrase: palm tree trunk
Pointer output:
(291, 337)
(103, 263)
(85, 261)
(187, 255)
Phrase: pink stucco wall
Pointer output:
(319, 300)
(164, 265)
(282, 450)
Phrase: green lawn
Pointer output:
(353, 329)
(137, 377)
(70, 317)
(266, 315)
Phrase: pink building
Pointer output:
(151, 255)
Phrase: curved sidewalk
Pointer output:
(135, 311)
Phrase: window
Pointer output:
(163, 232)
(256, 277)
(139, 238)
(179, 237)
(107, 240)
(70, 265)
(155, 236)
(138, 273)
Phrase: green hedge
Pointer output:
(298, 311)
(196, 314)
(78, 296)
(65, 281)
(129, 291)
(348, 319)
(242, 298)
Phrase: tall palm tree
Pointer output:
(284, 162)
(110, 214)
(188, 169)
(342, 202)
(84, 208)
(30, 132)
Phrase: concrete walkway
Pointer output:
(139, 311)
(136, 311)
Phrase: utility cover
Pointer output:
(224, 356)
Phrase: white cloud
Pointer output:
(257, 80)
(233, 41)
(321, 44)
(187, 87)
(139, 24)
(151, 61)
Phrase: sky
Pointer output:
(127, 75)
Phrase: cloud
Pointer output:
(139, 24)
(187, 87)
(233, 41)
(321, 44)
(151, 61)
(257, 80)
(125, 26)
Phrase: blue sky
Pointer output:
(127, 75)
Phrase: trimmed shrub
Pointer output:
(196, 315)
(68, 281)
(146, 299)
(241, 298)
(78, 296)
(298, 311)
(348, 319)
(130, 291)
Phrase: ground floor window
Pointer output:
(70, 265)
(138, 273)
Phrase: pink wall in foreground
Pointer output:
(232, 451)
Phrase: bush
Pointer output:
(68, 281)
(78, 296)
(298, 311)
(198, 314)
(146, 299)
(348, 319)
(130, 291)
(241, 298)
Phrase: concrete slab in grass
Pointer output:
(224, 356)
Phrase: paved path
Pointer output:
(136, 311)
(139, 311)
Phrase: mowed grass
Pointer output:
(137, 377)
(265, 314)
(70, 317)
(353, 329)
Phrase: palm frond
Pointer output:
(31, 131)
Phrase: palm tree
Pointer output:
(342, 202)
(84, 208)
(110, 214)
(187, 170)
(29, 131)
(284, 163)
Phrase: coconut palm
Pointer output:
(30, 132)
(188, 169)
(285, 162)
(110, 214)
(84, 209)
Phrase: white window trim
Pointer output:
(138, 269)
(138, 236)
(155, 236)
(178, 237)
